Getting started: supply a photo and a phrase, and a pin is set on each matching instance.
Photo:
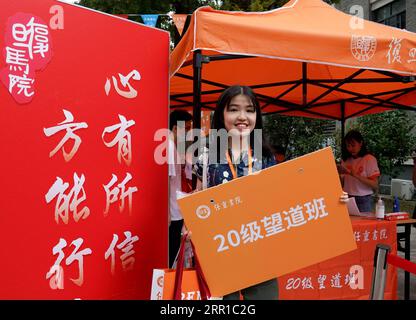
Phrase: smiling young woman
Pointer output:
(239, 113)
(360, 178)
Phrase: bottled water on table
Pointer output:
(380, 209)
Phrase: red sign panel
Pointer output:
(348, 276)
(81, 97)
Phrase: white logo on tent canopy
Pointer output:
(363, 47)
(412, 55)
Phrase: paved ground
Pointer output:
(400, 273)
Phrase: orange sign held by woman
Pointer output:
(268, 224)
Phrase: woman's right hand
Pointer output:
(344, 197)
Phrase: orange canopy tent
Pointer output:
(303, 59)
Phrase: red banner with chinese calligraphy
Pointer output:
(347, 276)
(82, 95)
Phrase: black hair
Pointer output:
(178, 115)
(353, 135)
(223, 102)
(278, 149)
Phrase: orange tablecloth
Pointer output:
(331, 279)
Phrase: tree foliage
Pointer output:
(182, 7)
(128, 6)
(297, 135)
(257, 5)
(389, 138)
(251, 5)
(151, 7)
(148, 6)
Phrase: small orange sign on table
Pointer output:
(268, 224)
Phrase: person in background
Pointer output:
(187, 174)
(180, 122)
(360, 170)
(279, 154)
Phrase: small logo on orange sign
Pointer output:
(160, 281)
(203, 212)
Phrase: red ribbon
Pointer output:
(401, 263)
(202, 283)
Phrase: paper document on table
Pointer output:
(352, 207)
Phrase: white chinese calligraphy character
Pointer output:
(375, 232)
(394, 51)
(273, 224)
(110, 252)
(307, 283)
(350, 279)
(122, 138)
(316, 209)
(321, 281)
(131, 93)
(383, 234)
(366, 235)
(118, 191)
(224, 204)
(126, 247)
(336, 281)
(16, 57)
(24, 84)
(217, 207)
(23, 36)
(357, 236)
(237, 200)
(79, 256)
(35, 37)
(251, 232)
(15, 78)
(294, 217)
(111, 195)
(70, 127)
(41, 43)
(56, 272)
(70, 202)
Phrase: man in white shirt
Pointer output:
(180, 122)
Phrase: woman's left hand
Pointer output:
(187, 234)
(353, 172)
(344, 197)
